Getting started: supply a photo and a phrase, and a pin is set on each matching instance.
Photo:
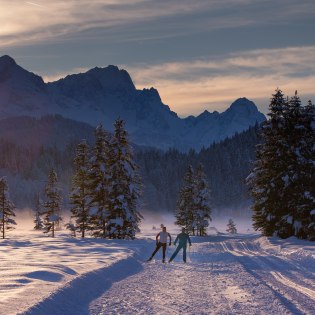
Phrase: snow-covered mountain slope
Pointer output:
(104, 94)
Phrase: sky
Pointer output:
(199, 54)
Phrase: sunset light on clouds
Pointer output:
(198, 54)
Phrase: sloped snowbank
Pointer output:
(38, 270)
(292, 248)
(76, 295)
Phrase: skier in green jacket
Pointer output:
(182, 239)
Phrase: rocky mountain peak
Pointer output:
(6, 61)
(11, 72)
(7, 64)
(103, 94)
(243, 104)
(111, 77)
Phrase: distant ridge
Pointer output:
(104, 94)
(51, 130)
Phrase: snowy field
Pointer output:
(241, 274)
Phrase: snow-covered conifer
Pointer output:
(52, 205)
(231, 227)
(184, 212)
(37, 213)
(80, 192)
(202, 201)
(269, 174)
(282, 182)
(306, 209)
(98, 183)
(123, 187)
(300, 184)
(6, 208)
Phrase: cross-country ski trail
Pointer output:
(237, 275)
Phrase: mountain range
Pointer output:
(101, 95)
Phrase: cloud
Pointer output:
(193, 86)
(25, 22)
(33, 3)
(284, 61)
(29, 22)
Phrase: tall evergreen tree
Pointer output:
(6, 208)
(80, 192)
(98, 183)
(269, 175)
(291, 137)
(307, 209)
(123, 187)
(282, 182)
(300, 180)
(202, 201)
(185, 207)
(52, 206)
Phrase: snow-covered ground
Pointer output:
(241, 274)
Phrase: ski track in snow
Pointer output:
(240, 274)
(224, 276)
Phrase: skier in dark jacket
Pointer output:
(182, 239)
(161, 241)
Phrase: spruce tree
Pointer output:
(307, 208)
(37, 213)
(268, 178)
(80, 191)
(300, 180)
(52, 206)
(98, 183)
(6, 208)
(123, 187)
(202, 201)
(185, 207)
(231, 227)
(291, 137)
(282, 182)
